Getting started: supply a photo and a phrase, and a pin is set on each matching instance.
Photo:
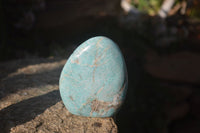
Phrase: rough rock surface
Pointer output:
(58, 119)
(30, 100)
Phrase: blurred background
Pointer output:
(160, 41)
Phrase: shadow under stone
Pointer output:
(26, 110)
(24, 81)
(9, 67)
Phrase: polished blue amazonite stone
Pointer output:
(93, 82)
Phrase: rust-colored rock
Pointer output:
(179, 93)
(186, 126)
(179, 67)
(177, 112)
(64, 12)
(195, 105)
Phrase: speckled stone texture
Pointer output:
(93, 82)
(57, 119)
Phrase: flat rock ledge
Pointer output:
(57, 119)
(30, 101)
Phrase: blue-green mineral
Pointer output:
(93, 82)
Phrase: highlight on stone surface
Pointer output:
(93, 82)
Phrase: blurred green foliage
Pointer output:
(149, 6)
(194, 9)
(152, 6)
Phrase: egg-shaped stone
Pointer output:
(93, 82)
